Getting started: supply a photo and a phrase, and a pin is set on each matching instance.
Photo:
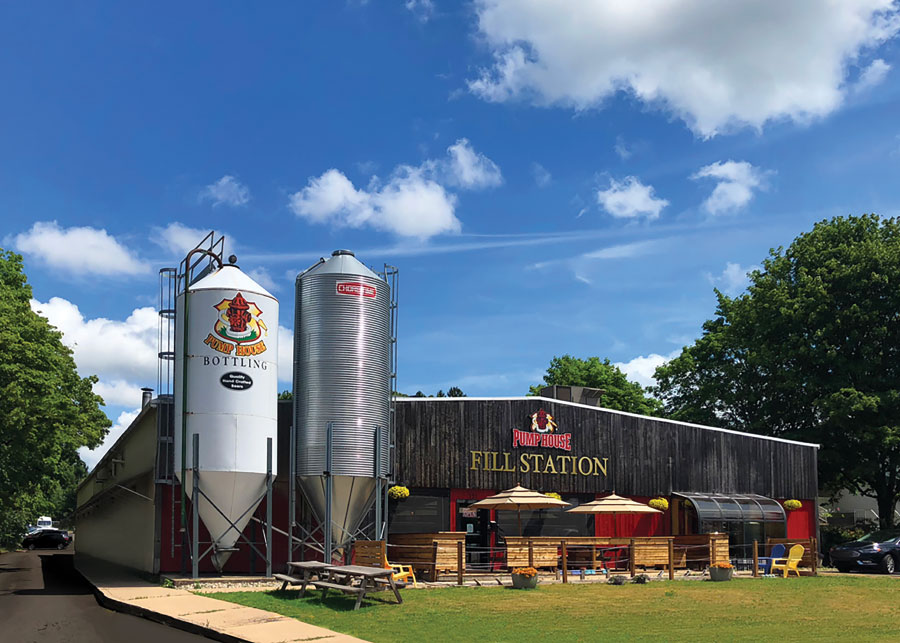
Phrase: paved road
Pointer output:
(43, 599)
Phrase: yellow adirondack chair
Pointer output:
(790, 563)
(401, 573)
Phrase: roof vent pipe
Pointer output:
(146, 396)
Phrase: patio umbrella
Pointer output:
(519, 498)
(613, 504)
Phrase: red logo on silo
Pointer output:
(238, 328)
(356, 289)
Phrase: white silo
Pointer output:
(342, 379)
(226, 390)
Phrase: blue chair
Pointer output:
(765, 562)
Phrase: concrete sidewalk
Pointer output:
(122, 591)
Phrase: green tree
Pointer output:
(810, 352)
(455, 391)
(287, 394)
(619, 393)
(47, 412)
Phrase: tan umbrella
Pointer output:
(519, 498)
(613, 504)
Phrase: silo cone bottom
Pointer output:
(352, 498)
(233, 492)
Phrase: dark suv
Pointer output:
(46, 539)
(879, 550)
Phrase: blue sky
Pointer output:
(548, 179)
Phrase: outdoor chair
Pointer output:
(791, 562)
(765, 563)
(372, 553)
(402, 573)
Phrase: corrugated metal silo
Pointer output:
(342, 378)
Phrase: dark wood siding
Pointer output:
(646, 456)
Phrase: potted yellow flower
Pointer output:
(524, 578)
(398, 492)
(721, 571)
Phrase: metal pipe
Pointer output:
(329, 488)
(195, 502)
(378, 482)
(269, 507)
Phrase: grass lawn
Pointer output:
(854, 608)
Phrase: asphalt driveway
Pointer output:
(44, 599)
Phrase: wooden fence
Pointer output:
(434, 553)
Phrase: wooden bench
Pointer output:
(288, 580)
(342, 579)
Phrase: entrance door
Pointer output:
(476, 524)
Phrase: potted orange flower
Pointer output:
(524, 578)
(721, 571)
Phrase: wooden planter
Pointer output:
(520, 581)
(720, 574)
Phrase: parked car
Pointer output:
(879, 550)
(47, 539)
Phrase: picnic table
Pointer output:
(359, 580)
(307, 569)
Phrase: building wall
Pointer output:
(115, 515)
(120, 529)
(466, 443)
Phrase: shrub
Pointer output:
(616, 580)
(641, 579)
(659, 503)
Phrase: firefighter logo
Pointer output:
(239, 320)
(542, 422)
(238, 328)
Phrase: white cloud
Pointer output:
(112, 350)
(226, 191)
(264, 279)
(469, 169)
(717, 66)
(92, 456)
(285, 356)
(736, 182)
(630, 198)
(733, 279)
(872, 75)
(83, 251)
(423, 9)
(641, 368)
(177, 238)
(542, 177)
(118, 392)
(412, 203)
(622, 149)
(623, 251)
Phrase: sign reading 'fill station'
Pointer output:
(466, 443)
(543, 434)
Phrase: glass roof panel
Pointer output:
(751, 509)
(735, 507)
(731, 510)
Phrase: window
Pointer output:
(423, 512)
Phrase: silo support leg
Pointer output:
(195, 501)
(269, 508)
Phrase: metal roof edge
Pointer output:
(603, 408)
(140, 416)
